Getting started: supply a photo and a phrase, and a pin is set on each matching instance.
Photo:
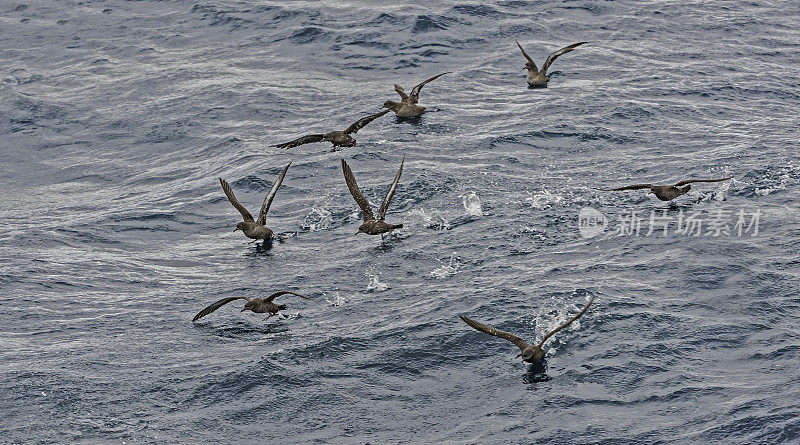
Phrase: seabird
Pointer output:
(408, 107)
(258, 305)
(666, 192)
(337, 138)
(538, 78)
(373, 225)
(254, 229)
(528, 352)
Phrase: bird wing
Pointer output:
(359, 124)
(629, 187)
(583, 311)
(262, 215)
(401, 91)
(390, 193)
(360, 199)
(215, 306)
(687, 181)
(302, 140)
(415, 91)
(284, 292)
(232, 198)
(496, 332)
(555, 55)
(527, 57)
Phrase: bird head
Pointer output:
(249, 306)
(532, 354)
(389, 104)
(239, 226)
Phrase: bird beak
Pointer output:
(518, 355)
(243, 310)
(235, 229)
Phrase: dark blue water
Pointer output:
(117, 117)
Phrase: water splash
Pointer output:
(432, 219)
(338, 300)
(374, 284)
(472, 204)
(543, 199)
(318, 219)
(446, 270)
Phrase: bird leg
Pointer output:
(268, 317)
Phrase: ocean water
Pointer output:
(117, 117)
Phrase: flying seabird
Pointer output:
(337, 138)
(254, 229)
(408, 107)
(258, 305)
(373, 225)
(666, 192)
(529, 353)
(538, 78)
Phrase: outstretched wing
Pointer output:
(390, 193)
(527, 57)
(401, 91)
(284, 292)
(359, 124)
(583, 311)
(555, 55)
(307, 139)
(360, 199)
(629, 187)
(262, 215)
(496, 332)
(215, 306)
(415, 91)
(687, 181)
(232, 198)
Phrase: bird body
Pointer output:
(257, 305)
(537, 77)
(529, 353)
(666, 192)
(373, 224)
(337, 138)
(252, 228)
(407, 107)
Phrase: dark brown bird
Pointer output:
(254, 229)
(257, 305)
(537, 77)
(337, 138)
(373, 224)
(666, 192)
(529, 353)
(408, 107)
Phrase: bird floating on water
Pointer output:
(257, 305)
(337, 138)
(528, 352)
(537, 77)
(408, 107)
(373, 224)
(666, 192)
(254, 229)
